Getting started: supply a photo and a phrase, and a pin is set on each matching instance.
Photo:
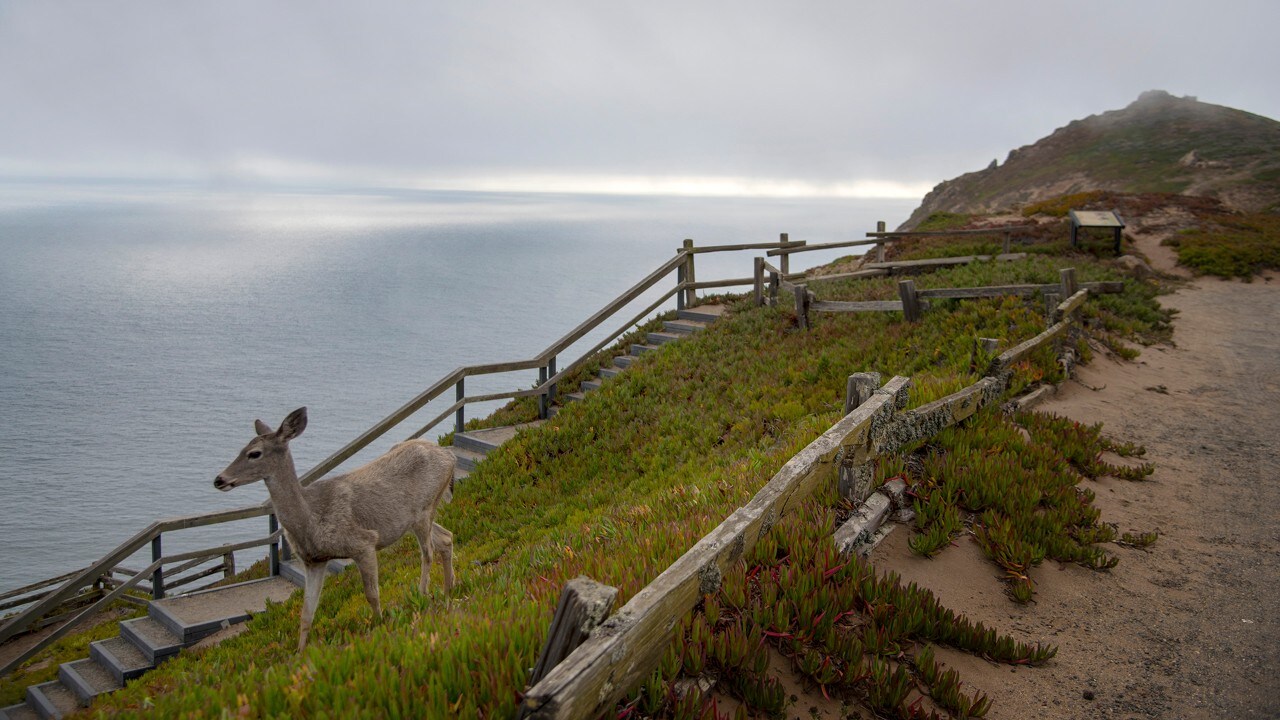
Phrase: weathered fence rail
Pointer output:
(624, 649)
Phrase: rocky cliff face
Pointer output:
(1159, 143)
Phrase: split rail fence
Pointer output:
(621, 651)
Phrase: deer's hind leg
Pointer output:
(433, 538)
(367, 562)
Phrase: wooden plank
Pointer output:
(929, 419)
(802, 306)
(1023, 290)
(981, 292)
(848, 276)
(743, 246)
(210, 553)
(1021, 350)
(818, 246)
(625, 648)
(38, 585)
(943, 262)
(729, 282)
(860, 306)
(1071, 304)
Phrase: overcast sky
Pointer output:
(826, 97)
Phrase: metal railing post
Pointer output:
(157, 577)
(273, 550)
(459, 417)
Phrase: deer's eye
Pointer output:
(254, 454)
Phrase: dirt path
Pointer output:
(1191, 627)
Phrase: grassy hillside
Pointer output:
(617, 487)
(1158, 144)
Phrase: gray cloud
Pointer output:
(818, 91)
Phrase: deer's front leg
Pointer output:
(367, 562)
(310, 598)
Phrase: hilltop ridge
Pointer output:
(1159, 143)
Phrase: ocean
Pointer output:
(143, 327)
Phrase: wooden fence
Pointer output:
(622, 651)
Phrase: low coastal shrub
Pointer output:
(1231, 247)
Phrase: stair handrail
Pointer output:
(23, 620)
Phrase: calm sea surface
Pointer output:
(142, 329)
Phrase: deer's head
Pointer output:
(265, 454)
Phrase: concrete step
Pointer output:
(662, 338)
(52, 700)
(21, 711)
(460, 474)
(610, 372)
(293, 572)
(702, 313)
(573, 397)
(467, 458)
(120, 657)
(155, 641)
(637, 349)
(200, 614)
(686, 327)
(589, 385)
(87, 679)
(623, 362)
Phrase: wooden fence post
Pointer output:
(858, 389)
(758, 275)
(229, 565)
(802, 306)
(880, 245)
(1007, 240)
(691, 295)
(910, 302)
(1067, 277)
(784, 258)
(584, 604)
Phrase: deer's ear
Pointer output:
(293, 425)
(261, 428)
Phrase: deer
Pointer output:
(352, 515)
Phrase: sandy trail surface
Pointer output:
(1189, 628)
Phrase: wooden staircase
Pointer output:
(170, 625)
(472, 446)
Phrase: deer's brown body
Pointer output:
(352, 515)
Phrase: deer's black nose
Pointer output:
(221, 484)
